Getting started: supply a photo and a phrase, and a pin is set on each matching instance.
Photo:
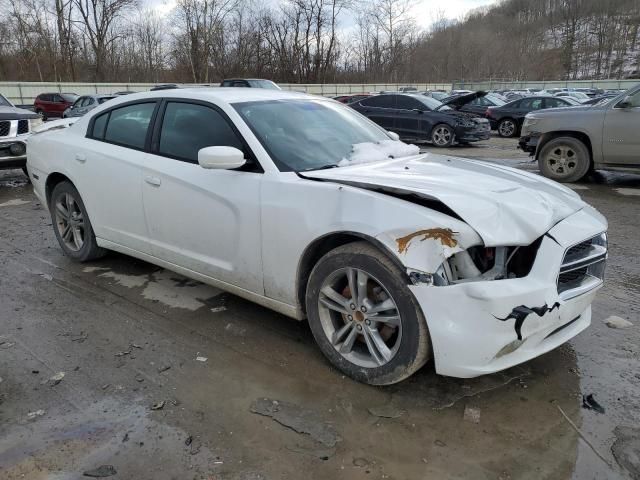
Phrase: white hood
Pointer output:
(504, 205)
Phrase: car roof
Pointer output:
(221, 95)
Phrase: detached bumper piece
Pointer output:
(528, 144)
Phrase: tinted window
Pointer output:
(128, 125)
(68, 97)
(101, 100)
(380, 101)
(98, 126)
(186, 128)
(408, 103)
(531, 104)
(88, 101)
(554, 103)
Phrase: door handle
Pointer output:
(155, 181)
(81, 157)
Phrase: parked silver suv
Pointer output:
(570, 142)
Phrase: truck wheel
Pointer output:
(507, 128)
(364, 318)
(564, 159)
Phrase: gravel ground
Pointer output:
(167, 378)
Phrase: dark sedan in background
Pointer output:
(476, 102)
(415, 117)
(507, 119)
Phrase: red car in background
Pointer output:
(53, 104)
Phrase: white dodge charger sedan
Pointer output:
(302, 205)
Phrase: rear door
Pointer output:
(621, 133)
(202, 219)
(110, 161)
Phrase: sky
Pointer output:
(425, 11)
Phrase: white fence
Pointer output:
(505, 84)
(24, 93)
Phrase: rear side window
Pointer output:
(187, 127)
(128, 125)
(99, 125)
(380, 101)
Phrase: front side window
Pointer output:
(187, 127)
(128, 125)
(379, 101)
(408, 103)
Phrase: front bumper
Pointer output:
(473, 326)
(10, 159)
(473, 134)
(529, 143)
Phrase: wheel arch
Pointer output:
(583, 137)
(54, 179)
(324, 244)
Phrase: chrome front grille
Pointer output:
(5, 127)
(583, 267)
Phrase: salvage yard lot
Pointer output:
(167, 378)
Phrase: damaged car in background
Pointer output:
(415, 117)
(304, 206)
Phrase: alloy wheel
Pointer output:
(70, 222)
(442, 136)
(359, 317)
(507, 128)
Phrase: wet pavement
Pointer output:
(166, 378)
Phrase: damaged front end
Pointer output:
(489, 308)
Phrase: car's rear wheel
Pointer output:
(564, 159)
(507, 128)
(442, 135)
(72, 225)
(364, 318)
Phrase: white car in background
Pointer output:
(302, 205)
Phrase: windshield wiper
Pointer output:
(324, 167)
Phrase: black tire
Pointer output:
(26, 172)
(42, 114)
(507, 128)
(564, 159)
(442, 136)
(89, 249)
(412, 349)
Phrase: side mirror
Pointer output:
(627, 102)
(393, 135)
(220, 158)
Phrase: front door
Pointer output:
(204, 220)
(409, 115)
(621, 133)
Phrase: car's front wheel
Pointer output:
(442, 135)
(72, 225)
(364, 318)
(507, 128)
(564, 159)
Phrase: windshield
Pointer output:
(268, 84)
(4, 102)
(69, 97)
(309, 134)
(495, 100)
(439, 95)
(432, 103)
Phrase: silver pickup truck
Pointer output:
(570, 142)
